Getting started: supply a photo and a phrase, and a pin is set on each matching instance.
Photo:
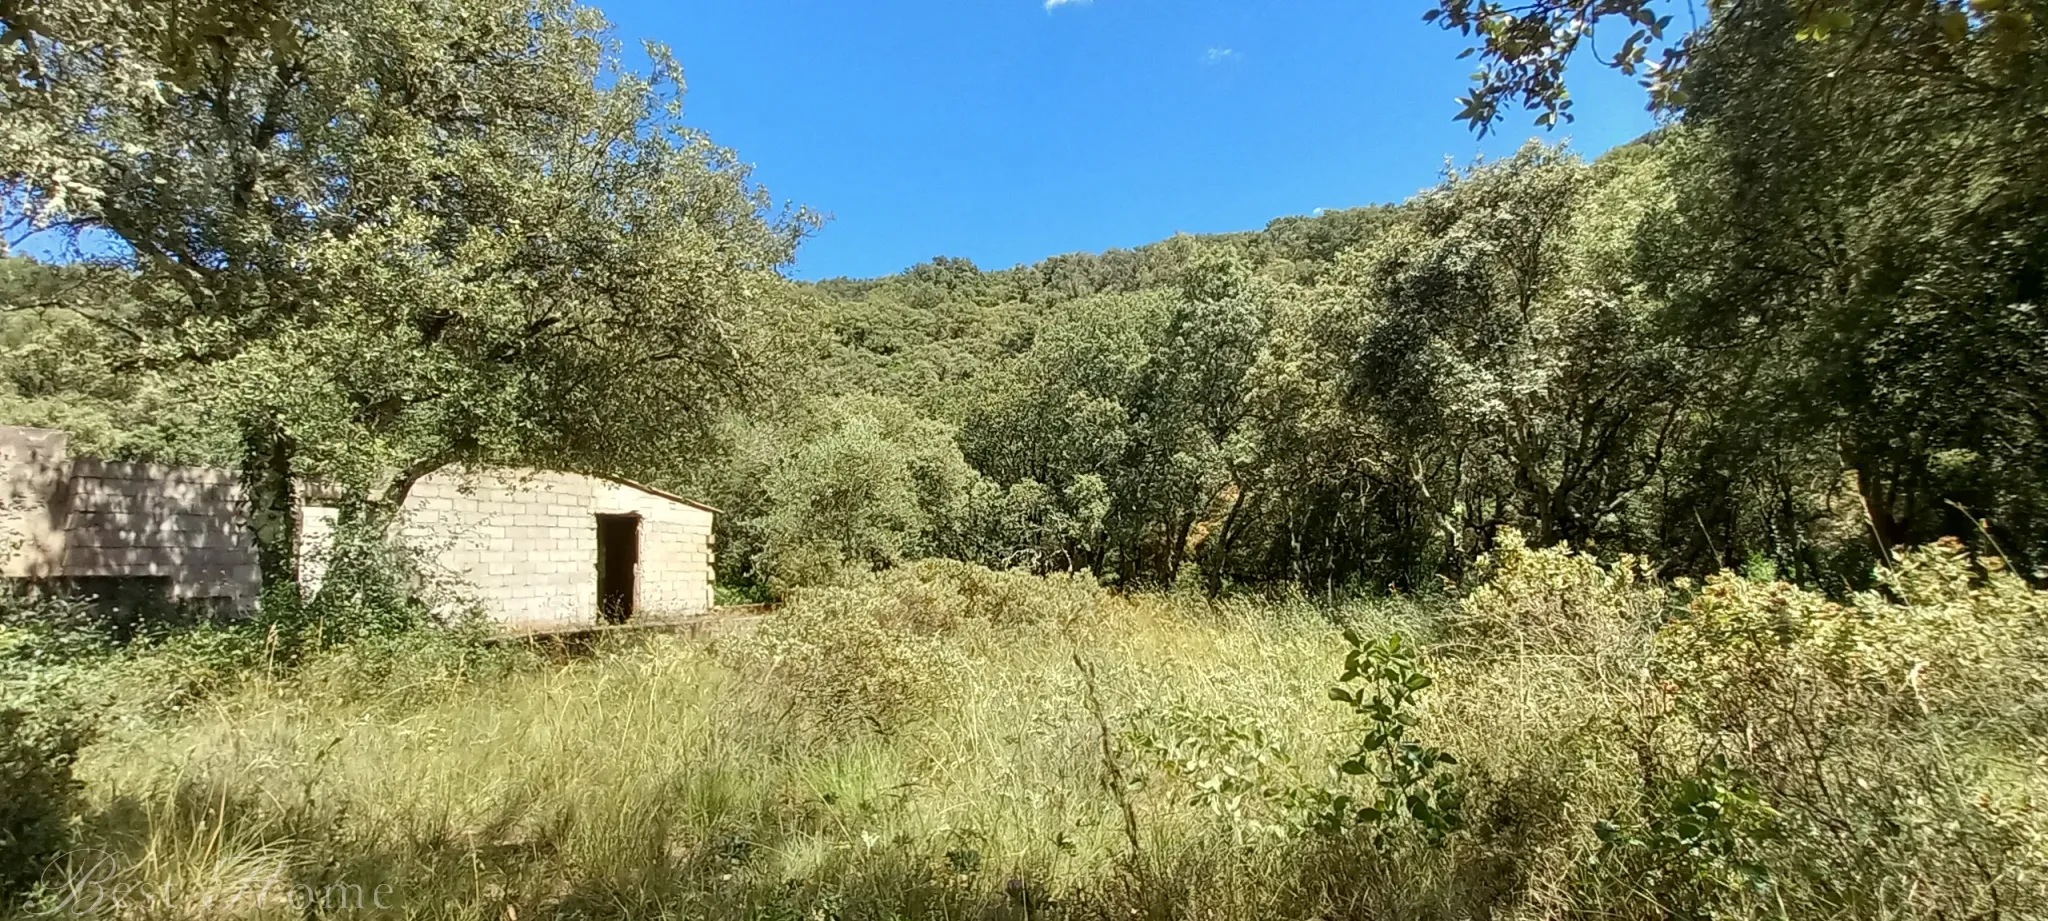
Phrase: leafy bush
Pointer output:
(1415, 786)
(862, 484)
(940, 596)
(1234, 766)
(1559, 602)
(403, 669)
(371, 585)
(45, 719)
(842, 667)
(39, 744)
(741, 593)
(1841, 756)
(1786, 752)
(875, 653)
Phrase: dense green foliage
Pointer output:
(1550, 404)
(1526, 49)
(1368, 397)
(1801, 323)
(374, 239)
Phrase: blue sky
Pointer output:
(1006, 131)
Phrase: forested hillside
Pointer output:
(1364, 398)
(1359, 399)
(1797, 327)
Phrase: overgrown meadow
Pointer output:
(1567, 739)
(352, 242)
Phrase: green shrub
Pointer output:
(741, 593)
(1412, 787)
(1742, 748)
(841, 665)
(39, 744)
(1559, 602)
(942, 596)
(372, 585)
(405, 669)
(884, 648)
(1234, 766)
(46, 717)
(1850, 758)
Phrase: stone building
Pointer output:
(121, 530)
(533, 549)
(545, 548)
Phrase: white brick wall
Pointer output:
(526, 543)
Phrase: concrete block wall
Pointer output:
(64, 517)
(525, 543)
(316, 542)
(182, 524)
(34, 474)
(675, 548)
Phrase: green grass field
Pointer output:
(945, 742)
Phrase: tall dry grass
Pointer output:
(939, 742)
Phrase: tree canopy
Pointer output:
(1525, 50)
(379, 238)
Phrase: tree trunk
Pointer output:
(1877, 509)
(387, 504)
(1219, 557)
(273, 505)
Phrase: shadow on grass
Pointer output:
(207, 851)
(203, 851)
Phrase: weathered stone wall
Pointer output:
(34, 471)
(184, 524)
(525, 542)
(84, 518)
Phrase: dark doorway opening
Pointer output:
(618, 561)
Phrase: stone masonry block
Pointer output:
(104, 560)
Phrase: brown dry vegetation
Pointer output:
(929, 743)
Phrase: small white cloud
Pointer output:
(1218, 55)
(1051, 5)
